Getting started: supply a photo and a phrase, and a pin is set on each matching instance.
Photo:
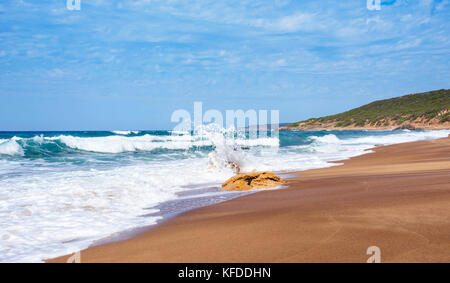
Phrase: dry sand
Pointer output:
(397, 198)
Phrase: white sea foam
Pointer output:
(333, 143)
(10, 147)
(125, 133)
(118, 144)
(324, 149)
(38, 139)
(50, 214)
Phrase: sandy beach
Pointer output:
(396, 198)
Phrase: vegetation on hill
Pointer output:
(421, 107)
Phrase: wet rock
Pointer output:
(246, 182)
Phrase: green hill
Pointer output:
(421, 110)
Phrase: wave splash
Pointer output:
(11, 147)
(125, 142)
(125, 133)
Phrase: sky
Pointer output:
(128, 64)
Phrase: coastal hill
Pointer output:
(429, 110)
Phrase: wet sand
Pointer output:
(397, 198)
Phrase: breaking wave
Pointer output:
(125, 133)
(10, 147)
(114, 144)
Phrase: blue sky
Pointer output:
(128, 64)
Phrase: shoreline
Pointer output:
(317, 218)
(167, 216)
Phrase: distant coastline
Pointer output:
(421, 111)
(332, 127)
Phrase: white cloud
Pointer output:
(280, 63)
(440, 6)
(409, 43)
(292, 23)
(297, 22)
(234, 36)
(55, 73)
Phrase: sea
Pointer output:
(61, 192)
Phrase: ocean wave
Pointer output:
(326, 139)
(119, 144)
(383, 138)
(125, 133)
(116, 144)
(11, 147)
(332, 143)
